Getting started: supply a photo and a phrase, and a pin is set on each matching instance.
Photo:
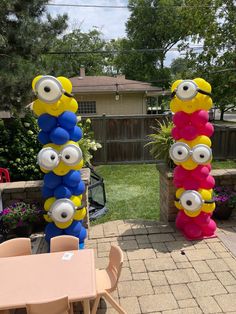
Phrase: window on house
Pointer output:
(86, 107)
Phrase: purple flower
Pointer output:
(23, 209)
(6, 211)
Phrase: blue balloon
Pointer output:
(72, 178)
(82, 235)
(46, 192)
(74, 229)
(43, 137)
(47, 122)
(79, 189)
(67, 120)
(59, 136)
(75, 134)
(52, 231)
(62, 192)
(51, 180)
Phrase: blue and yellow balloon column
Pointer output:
(191, 100)
(60, 158)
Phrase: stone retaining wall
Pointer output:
(168, 212)
(30, 191)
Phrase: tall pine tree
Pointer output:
(26, 31)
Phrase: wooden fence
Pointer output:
(123, 139)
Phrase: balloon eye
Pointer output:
(71, 154)
(48, 158)
(191, 200)
(179, 152)
(48, 89)
(202, 154)
(186, 90)
(62, 210)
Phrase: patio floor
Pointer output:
(163, 272)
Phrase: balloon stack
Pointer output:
(191, 100)
(60, 158)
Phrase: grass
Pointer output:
(226, 164)
(133, 190)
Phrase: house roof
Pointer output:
(101, 84)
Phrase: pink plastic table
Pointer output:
(40, 277)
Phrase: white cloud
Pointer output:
(110, 21)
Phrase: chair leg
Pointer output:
(71, 308)
(116, 306)
(95, 305)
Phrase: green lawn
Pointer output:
(133, 190)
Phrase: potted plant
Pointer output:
(19, 217)
(161, 142)
(225, 200)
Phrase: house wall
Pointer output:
(134, 103)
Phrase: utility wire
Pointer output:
(116, 51)
(124, 6)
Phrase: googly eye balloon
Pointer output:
(61, 157)
(191, 99)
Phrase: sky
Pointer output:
(110, 21)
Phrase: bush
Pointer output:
(19, 147)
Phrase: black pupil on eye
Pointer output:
(47, 89)
(185, 87)
(201, 156)
(179, 152)
(63, 214)
(67, 156)
(53, 157)
(189, 203)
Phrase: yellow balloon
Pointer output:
(200, 101)
(63, 225)
(80, 214)
(76, 200)
(35, 80)
(66, 83)
(48, 203)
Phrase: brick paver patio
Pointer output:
(163, 272)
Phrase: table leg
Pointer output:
(86, 306)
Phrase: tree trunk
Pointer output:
(222, 115)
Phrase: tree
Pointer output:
(74, 49)
(217, 60)
(26, 32)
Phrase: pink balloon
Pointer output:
(208, 183)
(200, 172)
(192, 231)
(189, 132)
(209, 229)
(180, 173)
(175, 133)
(180, 119)
(181, 220)
(202, 219)
(207, 129)
(191, 184)
(199, 118)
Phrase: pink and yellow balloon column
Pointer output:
(191, 100)
(60, 158)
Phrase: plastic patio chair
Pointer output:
(15, 247)
(107, 279)
(4, 175)
(64, 243)
(58, 306)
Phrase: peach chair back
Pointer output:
(108, 278)
(64, 243)
(58, 306)
(15, 247)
